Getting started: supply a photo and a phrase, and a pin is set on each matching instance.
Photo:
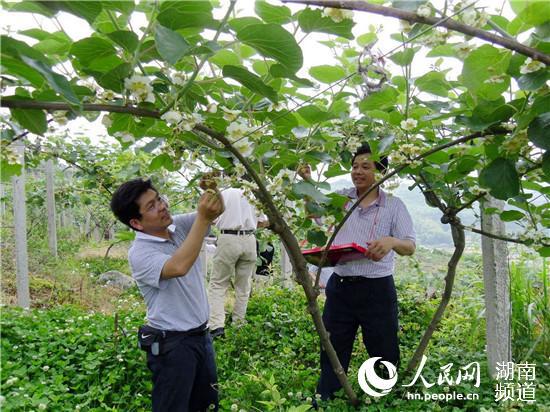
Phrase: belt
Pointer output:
(201, 330)
(238, 232)
(349, 279)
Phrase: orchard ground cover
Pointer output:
(67, 354)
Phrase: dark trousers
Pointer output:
(266, 257)
(185, 378)
(369, 303)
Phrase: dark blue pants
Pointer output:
(185, 379)
(369, 303)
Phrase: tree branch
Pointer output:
(412, 17)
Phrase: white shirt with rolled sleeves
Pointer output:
(179, 303)
(386, 216)
(239, 214)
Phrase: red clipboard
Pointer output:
(336, 254)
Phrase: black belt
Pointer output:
(237, 232)
(349, 279)
(201, 330)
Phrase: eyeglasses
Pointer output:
(155, 205)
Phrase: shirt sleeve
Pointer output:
(402, 224)
(147, 267)
(184, 222)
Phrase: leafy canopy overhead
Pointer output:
(243, 74)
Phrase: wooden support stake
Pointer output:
(50, 206)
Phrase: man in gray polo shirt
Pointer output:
(165, 265)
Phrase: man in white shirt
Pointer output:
(235, 254)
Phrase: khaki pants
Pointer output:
(235, 254)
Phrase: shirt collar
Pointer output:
(145, 236)
(380, 200)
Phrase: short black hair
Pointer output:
(124, 200)
(381, 165)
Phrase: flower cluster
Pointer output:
(60, 117)
(436, 38)
(476, 190)
(406, 153)
(409, 124)
(353, 143)
(516, 143)
(496, 79)
(424, 11)
(535, 236)
(337, 15)
(181, 121)
(178, 78)
(463, 49)
(230, 115)
(276, 107)
(473, 18)
(140, 88)
(7, 153)
(531, 66)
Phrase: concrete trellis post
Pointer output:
(50, 206)
(20, 224)
(69, 218)
(496, 283)
(2, 203)
(286, 267)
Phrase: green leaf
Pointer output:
(511, 215)
(128, 40)
(223, 57)
(271, 40)
(443, 50)
(312, 114)
(546, 164)
(170, 44)
(366, 38)
(316, 237)
(284, 122)
(185, 13)
(161, 161)
(404, 57)
(16, 48)
(17, 68)
(272, 14)
(327, 74)
(240, 23)
(534, 81)
(433, 82)
(88, 10)
(303, 188)
(123, 122)
(32, 120)
(91, 48)
(501, 178)
(387, 97)
(482, 64)
(539, 131)
(29, 7)
(9, 170)
(487, 113)
(535, 13)
(250, 80)
(544, 251)
(114, 79)
(313, 20)
(57, 82)
(125, 235)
